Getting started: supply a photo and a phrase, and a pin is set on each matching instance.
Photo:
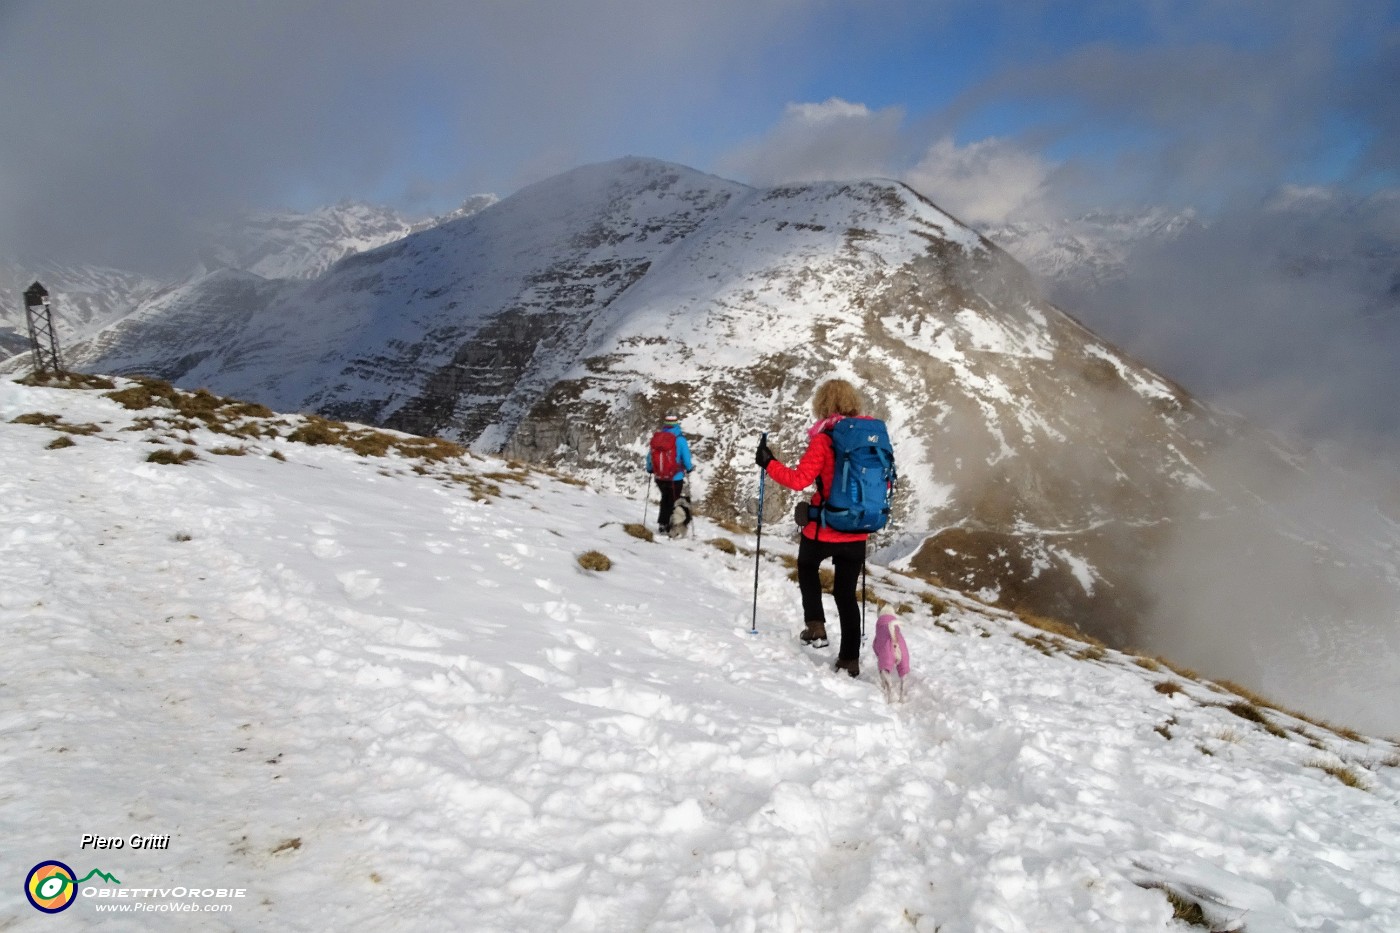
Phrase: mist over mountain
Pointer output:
(1287, 310)
(1091, 249)
(290, 245)
(1042, 468)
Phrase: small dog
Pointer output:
(680, 518)
(891, 655)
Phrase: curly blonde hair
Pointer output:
(836, 397)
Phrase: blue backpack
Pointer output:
(859, 499)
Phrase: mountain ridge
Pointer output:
(1044, 468)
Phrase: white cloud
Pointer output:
(835, 139)
(987, 182)
(153, 113)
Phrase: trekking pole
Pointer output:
(646, 500)
(758, 543)
(863, 565)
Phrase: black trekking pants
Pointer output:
(670, 491)
(848, 557)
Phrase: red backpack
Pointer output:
(663, 455)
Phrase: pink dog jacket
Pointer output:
(891, 653)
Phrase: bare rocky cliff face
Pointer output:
(1040, 467)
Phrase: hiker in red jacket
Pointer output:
(669, 461)
(835, 399)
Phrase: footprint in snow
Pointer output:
(582, 642)
(359, 584)
(560, 611)
(564, 660)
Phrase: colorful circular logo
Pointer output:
(51, 887)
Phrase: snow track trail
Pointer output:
(373, 700)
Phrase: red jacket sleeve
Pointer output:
(815, 462)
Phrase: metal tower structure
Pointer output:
(43, 342)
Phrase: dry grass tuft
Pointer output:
(639, 531)
(316, 432)
(1187, 911)
(594, 560)
(481, 490)
(146, 393)
(1252, 713)
(1183, 672)
(84, 429)
(734, 527)
(36, 417)
(936, 605)
(165, 455)
(46, 420)
(67, 381)
(1057, 627)
(724, 545)
(1346, 775)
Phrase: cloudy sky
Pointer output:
(129, 120)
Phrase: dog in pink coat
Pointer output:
(891, 655)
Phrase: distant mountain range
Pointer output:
(284, 245)
(1042, 468)
(86, 298)
(268, 244)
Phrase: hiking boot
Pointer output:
(814, 635)
(849, 665)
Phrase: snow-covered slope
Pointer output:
(1041, 466)
(181, 325)
(379, 692)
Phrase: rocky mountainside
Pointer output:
(1041, 468)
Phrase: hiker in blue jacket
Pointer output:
(669, 461)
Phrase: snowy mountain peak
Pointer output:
(1043, 469)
